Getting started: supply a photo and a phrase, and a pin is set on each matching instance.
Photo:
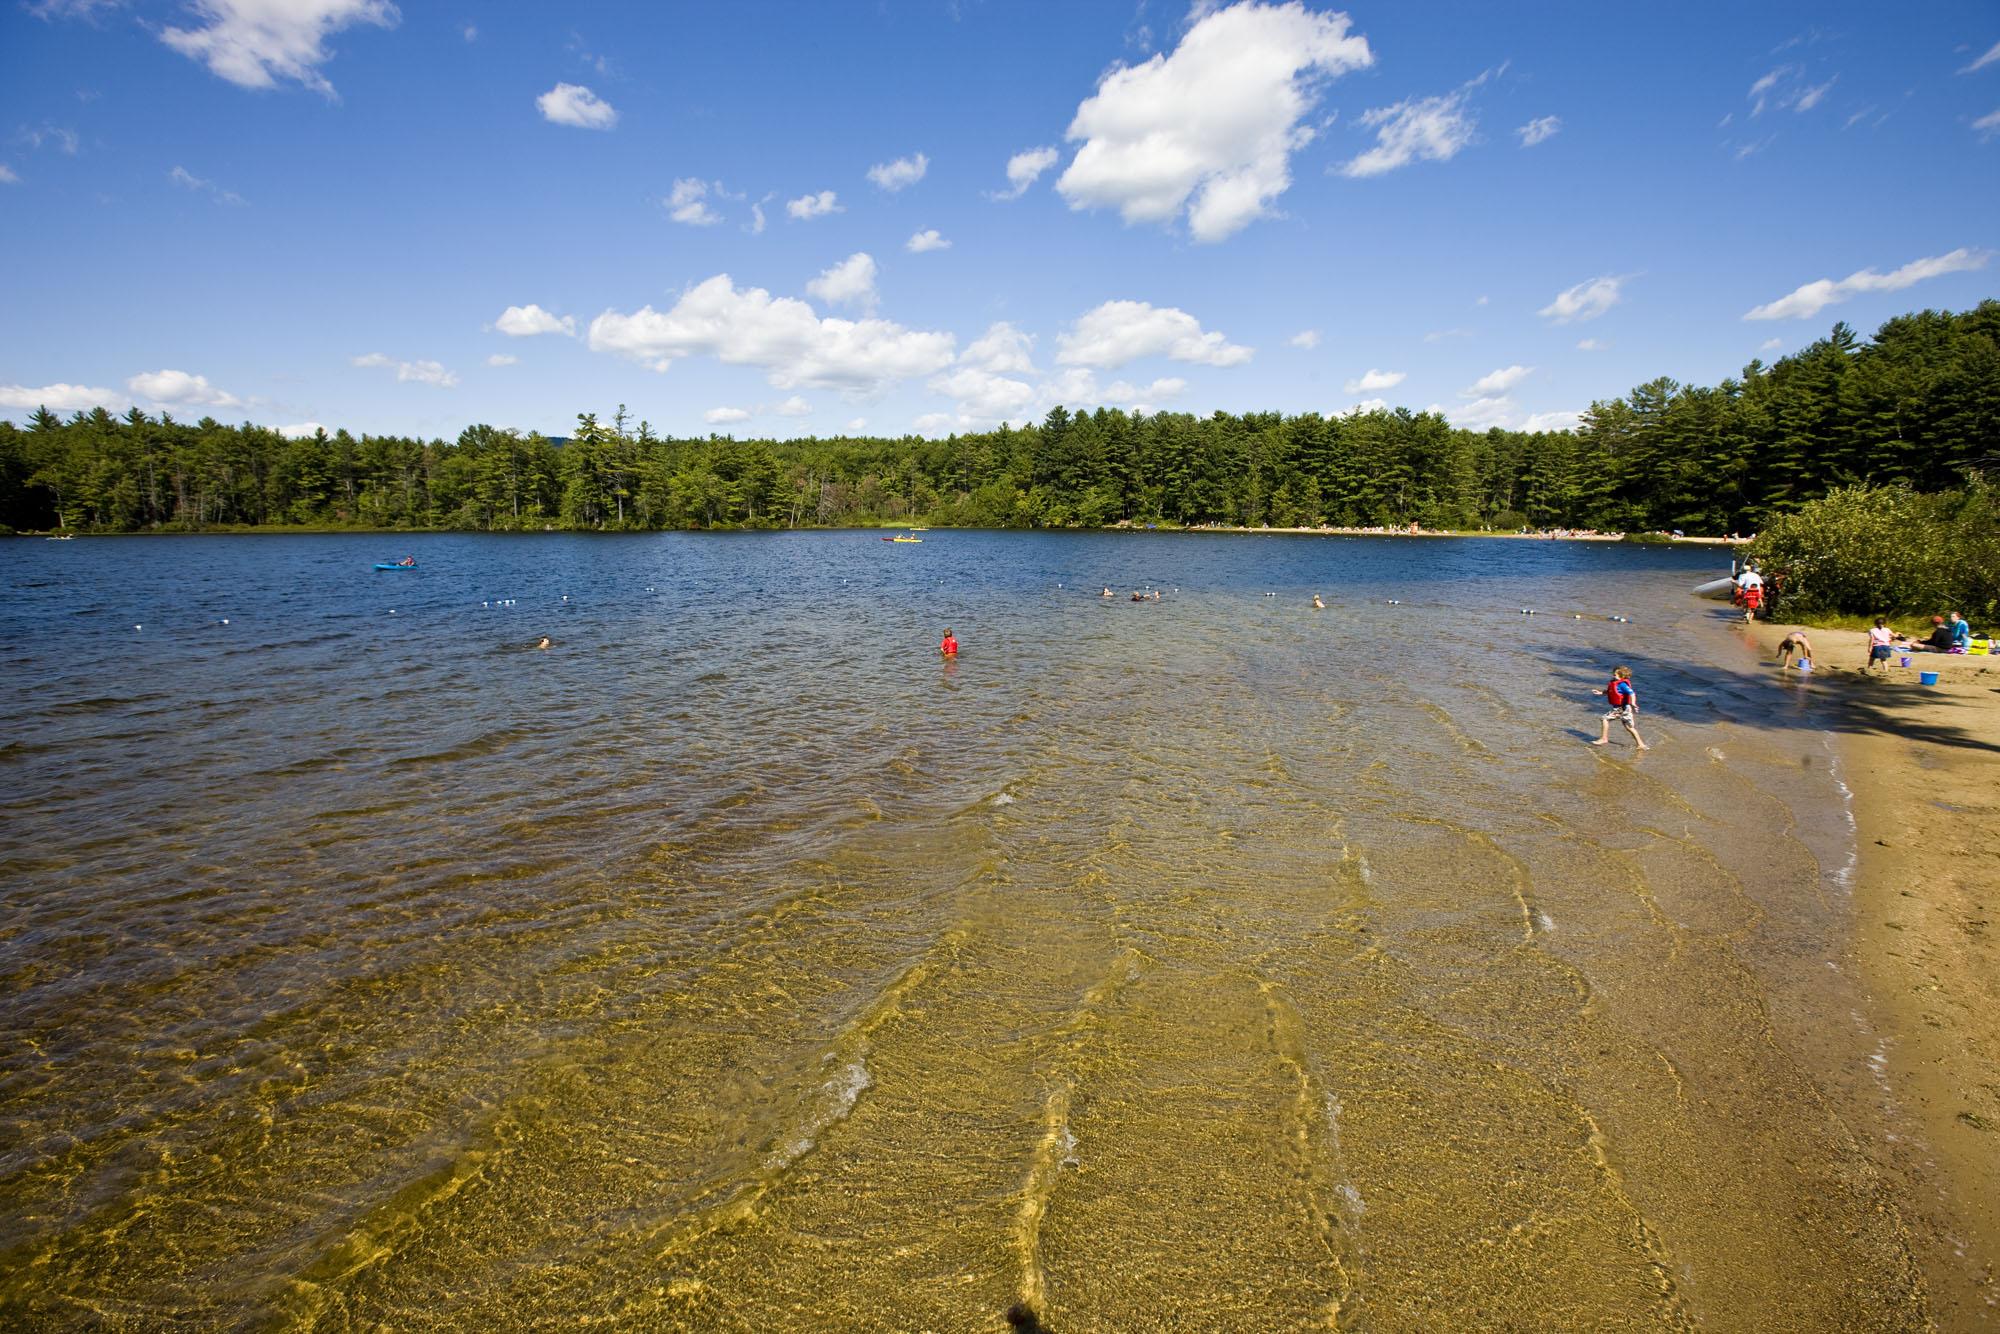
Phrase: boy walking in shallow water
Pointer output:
(1624, 702)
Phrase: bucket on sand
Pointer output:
(1906, 660)
(1926, 678)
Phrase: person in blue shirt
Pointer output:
(1961, 634)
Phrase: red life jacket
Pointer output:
(1618, 693)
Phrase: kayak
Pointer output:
(1720, 589)
(382, 566)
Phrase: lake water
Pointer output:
(1210, 963)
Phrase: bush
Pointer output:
(1870, 550)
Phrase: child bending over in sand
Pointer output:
(1624, 702)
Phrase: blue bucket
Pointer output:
(1926, 678)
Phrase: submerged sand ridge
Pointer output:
(1200, 970)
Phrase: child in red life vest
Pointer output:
(1624, 702)
(948, 646)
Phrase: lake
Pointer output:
(735, 963)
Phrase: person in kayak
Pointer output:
(948, 646)
(407, 561)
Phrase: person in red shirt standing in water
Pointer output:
(948, 646)
(1624, 702)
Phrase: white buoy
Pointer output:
(392, 611)
(225, 620)
(138, 627)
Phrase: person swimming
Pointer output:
(543, 642)
(1107, 591)
(1317, 604)
(948, 646)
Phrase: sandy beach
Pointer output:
(1921, 762)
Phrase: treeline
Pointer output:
(1916, 406)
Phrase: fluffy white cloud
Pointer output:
(857, 424)
(1121, 331)
(300, 430)
(1364, 407)
(1805, 302)
(1585, 301)
(574, 104)
(1770, 345)
(1375, 380)
(7, 176)
(1433, 129)
(720, 416)
(502, 359)
(410, 372)
(60, 397)
(1992, 55)
(1217, 120)
(1809, 98)
(1591, 345)
(1499, 382)
(1539, 129)
(1002, 349)
(757, 218)
(688, 202)
(1480, 413)
(984, 396)
(1123, 393)
(1305, 338)
(1025, 168)
(848, 283)
(1760, 91)
(181, 389)
(779, 335)
(814, 206)
(1988, 125)
(529, 320)
(256, 43)
(900, 174)
(794, 407)
(1552, 421)
(928, 239)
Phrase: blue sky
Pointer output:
(926, 215)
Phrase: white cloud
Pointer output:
(1025, 168)
(470, 32)
(1305, 338)
(529, 320)
(1123, 393)
(1002, 349)
(410, 372)
(1217, 120)
(780, 335)
(1760, 91)
(757, 218)
(37, 137)
(60, 397)
(984, 396)
(900, 174)
(813, 206)
(1591, 345)
(719, 416)
(1480, 413)
(1440, 335)
(7, 176)
(1552, 421)
(1992, 55)
(257, 43)
(1988, 125)
(1770, 345)
(1121, 331)
(1585, 301)
(1375, 380)
(1538, 130)
(688, 202)
(926, 240)
(1432, 129)
(1809, 98)
(187, 180)
(1364, 407)
(502, 359)
(181, 389)
(848, 283)
(1498, 382)
(574, 104)
(300, 430)
(1805, 302)
(857, 424)
(794, 407)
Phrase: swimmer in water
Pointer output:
(948, 646)
(543, 642)
(1107, 590)
(1317, 604)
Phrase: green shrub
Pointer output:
(1866, 550)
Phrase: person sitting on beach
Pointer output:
(1624, 702)
(1961, 635)
(1795, 647)
(948, 646)
(1939, 639)
(1881, 644)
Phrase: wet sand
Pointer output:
(1922, 762)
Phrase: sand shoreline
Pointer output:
(1920, 763)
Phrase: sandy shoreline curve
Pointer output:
(1921, 763)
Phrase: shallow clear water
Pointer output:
(736, 964)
